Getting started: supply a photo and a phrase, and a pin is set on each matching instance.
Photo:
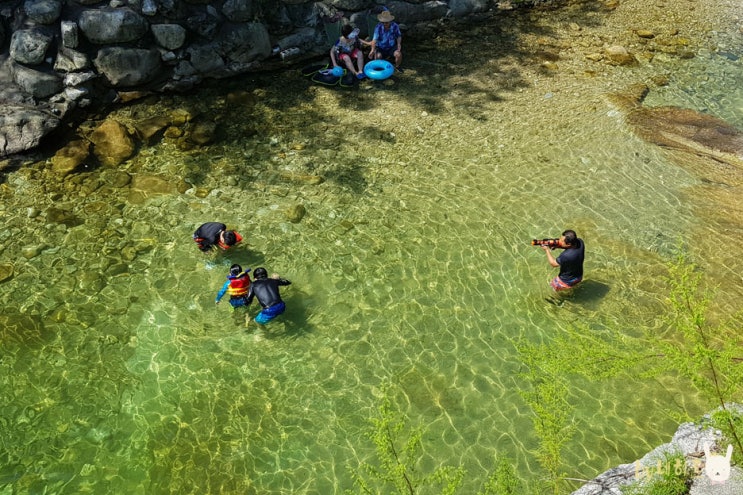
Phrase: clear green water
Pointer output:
(411, 266)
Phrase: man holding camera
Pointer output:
(570, 261)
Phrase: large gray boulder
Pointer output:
(69, 32)
(409, 13)
(239, 10)
(205, 24)
(204, 59)
(29, 46)
(302, 37)
(43, 11)
(149, 8)
(169, 36)
(352, 5)
(22, 128)
(460, 8)
(69, 60)
(124, 67)
(36, 83)
(246, 43)
(112, 26)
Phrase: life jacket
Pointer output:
(225, 247)
(239, 285)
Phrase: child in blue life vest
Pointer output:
(237, 285)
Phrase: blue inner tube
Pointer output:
(378, 69)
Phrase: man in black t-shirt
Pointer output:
(570, 261)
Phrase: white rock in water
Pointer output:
(29, 252)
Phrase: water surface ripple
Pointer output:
(411, 266)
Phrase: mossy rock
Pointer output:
(6, 272)
(296, 213)
(112, 144)
(64, 217)
(67, 159)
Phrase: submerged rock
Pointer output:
(619, 55)
(203, 133)
(148, 186)
(60, 216)
(6, 271)
(20, 328)
(681, 129)
(299, 178)
(112, 144)
(148, 129)
(29, 252)
(296, 213)
(70, 157)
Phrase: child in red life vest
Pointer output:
(237, 285)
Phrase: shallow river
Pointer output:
(411, 267)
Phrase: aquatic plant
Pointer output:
(671, 477)
(397, 459)
(552, 413)
(398, 453)
(708, 355)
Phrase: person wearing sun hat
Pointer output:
(387, 40)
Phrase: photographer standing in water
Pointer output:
(570, 261)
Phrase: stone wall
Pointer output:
(64, 55)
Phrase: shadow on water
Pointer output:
(586, 296)
(293, 323)
(489, 44)
(590, 291)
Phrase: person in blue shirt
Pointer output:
(387, 40)
(570, 261)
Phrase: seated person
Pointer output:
(347, 49)
(387, 40)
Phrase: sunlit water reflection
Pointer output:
(411, 266)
